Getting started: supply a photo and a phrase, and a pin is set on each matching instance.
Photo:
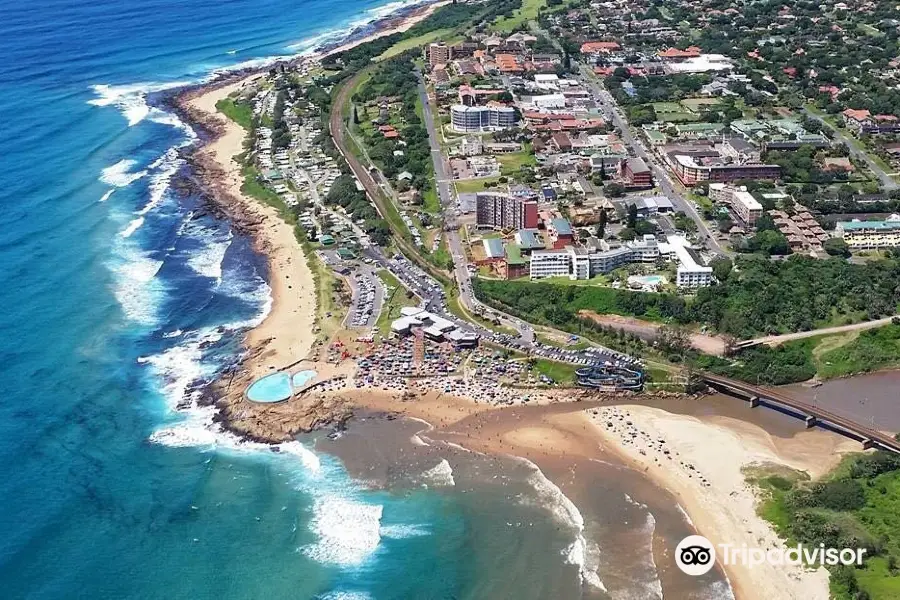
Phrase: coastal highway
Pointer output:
(614, 113)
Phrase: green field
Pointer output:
(474, 185)
(677, 117)
(241, 113)
(697, 104)
(558, 372)
(869, 30)
(414, 42)
(512, 162)
(666, 107)
(397, 297)
(527, 12)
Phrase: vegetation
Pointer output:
(397, 297)
(870, 350)
(855, 507)
(757, 296)
(236, 110)
(562, 373)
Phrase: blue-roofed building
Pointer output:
(493, 248)
(549, 194)
(529, 239)
(560, 232)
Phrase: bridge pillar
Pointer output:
(754, 401)
(810, 421)
(868, 443)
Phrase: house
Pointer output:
(597, 48)
(857, 119)
(676, 54)
(561, 233)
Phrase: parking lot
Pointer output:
(368, 297)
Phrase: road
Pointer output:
(887, 182)
(451, 227)
(413, 272)
(774, 340)
(614, 113)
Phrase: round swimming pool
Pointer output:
(301, 378)
(271, 388)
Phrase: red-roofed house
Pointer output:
(599, 47)
(790, 71)
(603, 71)
(857, 118)
(832, 90)
(676, 54)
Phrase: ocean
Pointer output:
(119, 291)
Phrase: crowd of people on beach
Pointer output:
(617, 421)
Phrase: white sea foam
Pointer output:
(131, 100)
(400, 532)
(120, 174)
(581, 552)
(683, 512)
(346, 596)
(348, 531)
(208, 261)
(441, 474)
(136, 288)
(173, 334)
(163, 169)
(106, 196)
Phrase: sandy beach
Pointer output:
(701, 462)
(285, 335)
(709, 485)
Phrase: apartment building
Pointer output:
(501, 211)
(864, 235)
(472, 119)
(746, 207)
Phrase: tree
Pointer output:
(765, 223)
(601, 224)
(631, 221)
(614, 190)
(673, 340)
(721, 267)
(836, 247)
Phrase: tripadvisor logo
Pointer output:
(695, 555)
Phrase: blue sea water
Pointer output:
(117, 293)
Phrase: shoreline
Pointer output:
(286, 334)
(566, 432)
(285, 337)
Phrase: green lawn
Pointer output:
(527, 12)
(239, 112)
(869, 30)
(558, 372)
(666, 107)
(677, 117)
(474, 185)
(397, 297)
(512, 162)
(697, 104)
(414, 42)
(563, 280)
